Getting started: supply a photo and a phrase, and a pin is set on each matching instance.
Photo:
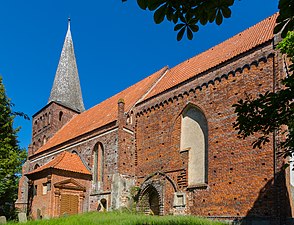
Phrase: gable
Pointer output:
(70, 184)
(103, 113)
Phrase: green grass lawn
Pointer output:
(108, 218)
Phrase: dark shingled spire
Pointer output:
(66, 88)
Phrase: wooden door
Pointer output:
(69, 204)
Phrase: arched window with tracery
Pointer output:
(98, 165)
(194, 138)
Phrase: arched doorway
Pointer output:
(150, 201)
(154, 202)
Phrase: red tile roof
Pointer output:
(240, 43)
(106, 111)
(65, 161)
(103, 113)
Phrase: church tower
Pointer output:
(65, 99)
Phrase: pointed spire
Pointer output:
(66, 88)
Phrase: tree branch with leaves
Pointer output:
(188, 15)
(270, 112)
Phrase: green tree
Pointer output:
(188, 15)
(11, 156)
(272, 112)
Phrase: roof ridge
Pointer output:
(61, 157)
(240, 43)
(124, 90)
(165, 70)
(227, 40)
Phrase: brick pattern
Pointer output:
(240, 179)
(140, 131)
(52, 197)
(47, 122)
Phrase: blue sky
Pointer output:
(116, 45)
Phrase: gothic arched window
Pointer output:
(98, 164)
(194, 138)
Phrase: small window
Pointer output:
(46, 119)
(45, 188)
(35, 190)
(60, 115)
(49, 119)
(48, 186)
(44, 139)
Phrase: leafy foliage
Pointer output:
(273, 111)
(188, 15)
(285, 20)
(11, 156)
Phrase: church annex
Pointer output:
(165, 145)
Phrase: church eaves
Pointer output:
(66, 88)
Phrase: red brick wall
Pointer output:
(46, 203)
(84, 146)
(240, 178)
(46, 123)
(39, 201)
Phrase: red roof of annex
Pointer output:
(65, 161)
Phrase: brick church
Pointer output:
(165, 145)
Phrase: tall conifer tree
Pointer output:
(11, 156)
